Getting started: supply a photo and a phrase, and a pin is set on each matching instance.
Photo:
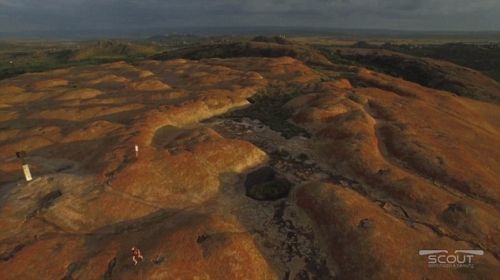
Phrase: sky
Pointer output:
(425, 15)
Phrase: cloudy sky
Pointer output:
(50, 15)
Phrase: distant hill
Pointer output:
(248, 49)
(482, 57)
(19, 58)
(275, 39)
(363, 45)
(428, 72)
(182, 39)
(113, 49)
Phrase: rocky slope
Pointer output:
(438, 74)
(376, 172)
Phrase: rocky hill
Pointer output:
(247, 168)
(438, 74)
(258, 47)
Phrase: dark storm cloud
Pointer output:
(18, 15)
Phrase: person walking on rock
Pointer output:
(136, 255)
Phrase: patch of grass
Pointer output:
(268, 107)
(20, 58)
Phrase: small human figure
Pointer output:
(136, 255)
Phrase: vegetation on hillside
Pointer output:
(482, 57)
(268, 107)
(432, 73)
(20, 58)
(247, 49)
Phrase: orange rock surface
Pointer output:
(92, 198)
(423, 159)
(391, 168)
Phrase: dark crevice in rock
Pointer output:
(158, 260)
(202, 238)
(6, 256)
(72, 268)
(260, 176)
(264, 184)
(48, 200)
(109, 272)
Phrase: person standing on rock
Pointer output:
(136, 255)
